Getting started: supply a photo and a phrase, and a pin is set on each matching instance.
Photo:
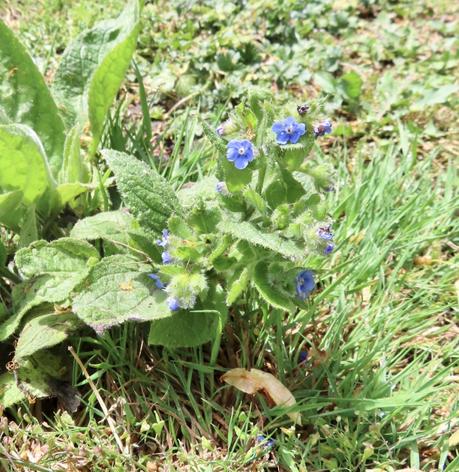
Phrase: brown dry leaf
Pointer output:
(255, 380)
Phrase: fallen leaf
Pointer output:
(254, 380)
(453, 440)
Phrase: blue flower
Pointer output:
(164, 241)
(173, 304)
(323, 128)
(329, 248)
(267, 443)
(324, 233)
(220, 130)
(305, 284)
(288, 130)
(166, 257)
(240, 153)
(303, 356)
(157, 280)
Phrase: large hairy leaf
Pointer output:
(11, 211)
(118, 289)
(248, 232)
(25, 98)
(109, 225)
(23, 162)
(65, 256)
(93, 67)
(191, 328)
(270, 293)
(55, 269)
(149, 197)
(45, 331)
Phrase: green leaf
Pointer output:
(269, 293)
(195, 192)
(3, 257)
(43, 332)
(10, 393)
(29, 230)
(25, 98)
(191, 328)
(237, 287)
(248, 232)
(351, 82)
(73, 166)
(149, 197)
(118, 289)
(236, 179)
(68, 191)
(109, 225)
(63, 257)
(109, 74)
(55, 269)
(435, 96)
(23, 162)
(214, 138)
(11, 211)
(94, 63)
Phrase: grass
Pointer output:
(379, 390)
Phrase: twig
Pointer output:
(110, 420)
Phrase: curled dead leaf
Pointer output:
(255, 380)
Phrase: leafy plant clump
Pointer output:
(253, 238)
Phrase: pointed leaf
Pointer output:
(25, 98)
(150, 199)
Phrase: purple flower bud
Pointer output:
(324, 232)
(323, 128)
(157, 280)
(221, 188)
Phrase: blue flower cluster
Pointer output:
(172, 303)
(164, 242)
(240, 153)
(288, 131)
(324, 233)
(305, 284)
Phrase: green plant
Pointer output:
(46, 153)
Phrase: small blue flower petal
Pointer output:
(166, 257)
(329, 248)
(173, 304)
(266, 443)
(325, 233)
(303, 356)
(157, 280)
(164, 241)
(305, 284)
(288, 130)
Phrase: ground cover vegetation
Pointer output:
(228, 235)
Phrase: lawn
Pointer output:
(370, 355)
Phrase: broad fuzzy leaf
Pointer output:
(118, 289)
(23, 162)
(55, 269)
(93, 67)
(44, 332)
(11, 211)
(25, 98)
(248, 232)
(269, 293)
(109, 225)
(150, 199)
